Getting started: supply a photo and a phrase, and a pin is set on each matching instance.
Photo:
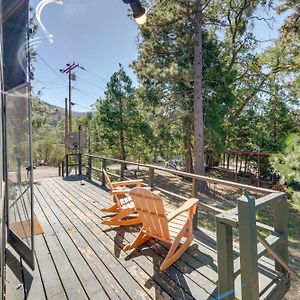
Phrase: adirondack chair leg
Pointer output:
(175, 252)
(118, 220)
(113, 208)
(140, 239)
(173, 256)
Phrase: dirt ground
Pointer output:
(45, 172)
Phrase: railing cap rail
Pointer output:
(190, 175)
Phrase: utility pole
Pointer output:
(71, 76)
(66, 117)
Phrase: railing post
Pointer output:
(195, 194)
(151, 177)
(281, 226)
(122, 176)
(225, 260)
(248, 247)
(80, 163)
(63, 169)
(228, 160)
(59, 170)
(67, 165)
(90, 162)
(103, 168)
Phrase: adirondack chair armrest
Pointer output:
(127, 182)
(186, 206)
(120, 192)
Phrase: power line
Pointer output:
(89, 108)
(97, 75)
(91, 83)
(43, 82)
(94, 97)
(87, 93)
(51, 68)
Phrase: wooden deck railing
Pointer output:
(241, 218)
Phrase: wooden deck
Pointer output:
(79, 258)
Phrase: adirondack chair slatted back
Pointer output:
(152, 213)
(108, 180)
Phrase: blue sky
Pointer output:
(99, 35)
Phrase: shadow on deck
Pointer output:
(79, 258)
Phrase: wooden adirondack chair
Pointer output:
(170, 228)
(123, 205)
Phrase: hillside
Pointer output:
(42, 107)
(48, 131)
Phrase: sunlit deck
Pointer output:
(79, 258)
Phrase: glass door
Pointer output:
(20, 216)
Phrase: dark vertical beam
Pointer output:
(248, 247)
(225, 261)
(15, 20)
(66, 117)
(90, 165)
(67, 165)
(80, 163)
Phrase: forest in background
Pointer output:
(250, 92)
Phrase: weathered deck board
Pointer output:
(79, 258)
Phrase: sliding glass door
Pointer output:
(20, 217)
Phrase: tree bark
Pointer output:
(122, 133)
(198, 99)
(187, 133)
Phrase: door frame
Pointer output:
(26, 253)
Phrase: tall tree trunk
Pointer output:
(122, 133)
(122, 145)
(187, 133)
(198, 99)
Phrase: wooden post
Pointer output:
(63, 169)
(228, 160)
(103, 168)
(67, 165)
(281, 226)
(195, 194)
(122, 176)
(225, 261)
(248, 247)
(151, 177)
(90, 162)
